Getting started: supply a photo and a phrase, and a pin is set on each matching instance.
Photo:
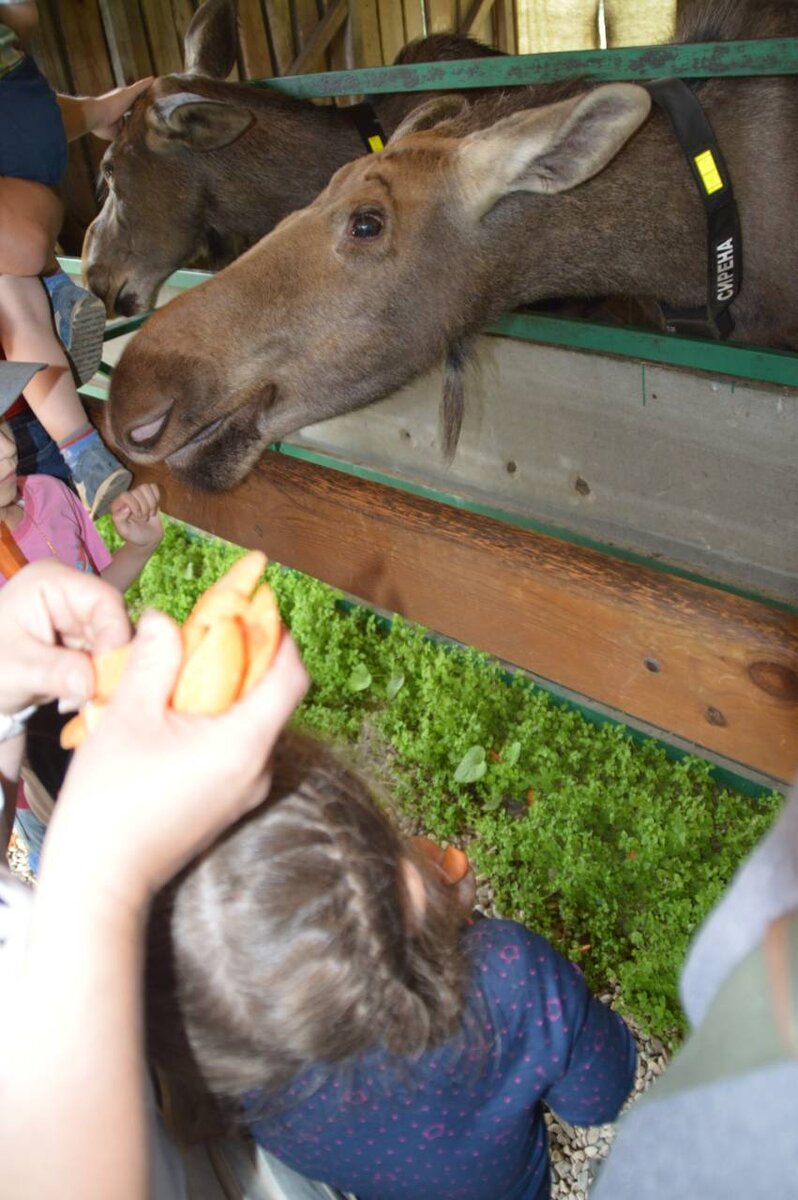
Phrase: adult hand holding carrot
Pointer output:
(153, 786)
(50, 616)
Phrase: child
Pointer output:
(315, 972)
(41, 518)
(34, 128)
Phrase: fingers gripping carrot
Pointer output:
(230, 639)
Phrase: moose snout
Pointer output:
(119, 296)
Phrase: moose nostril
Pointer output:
(126, 304)
(148, 432)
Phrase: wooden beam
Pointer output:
(716, 669)
(476, 13)
(320, 39)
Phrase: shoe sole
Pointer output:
(87, 326)
(117, 482)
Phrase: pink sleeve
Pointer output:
(58, 514)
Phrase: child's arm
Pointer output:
(601, 1060)
(98, 114)
(136, 519)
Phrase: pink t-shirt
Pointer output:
(55, 524)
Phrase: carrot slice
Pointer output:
(78, 729)
(244, 575)
(108, 668)
(211, 679)
(263, 632)
(211, 607)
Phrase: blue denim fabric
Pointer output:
(33, 143)
(38, 453)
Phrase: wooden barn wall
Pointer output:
(86, 47)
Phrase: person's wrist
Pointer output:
(110, 876)
(94, 899)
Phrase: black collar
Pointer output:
(368, 126)
(725, 249)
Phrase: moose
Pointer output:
(203, 167)
(470, 210)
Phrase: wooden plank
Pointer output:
(644, 23)
(338, 53)
(414, 19)
(506, 34)
(281, 35)
(553, 25)
(305, 17)
(86, 52)
(716, 669)
(475, 15)
(253, 41)
(127, 40)
(364, 25)
(166, 49)
(392, 29)
(317, 45)
(441, 15)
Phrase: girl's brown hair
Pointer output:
(288, 943)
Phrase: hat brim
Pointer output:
(14, 378)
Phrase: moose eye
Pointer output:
(366, 224)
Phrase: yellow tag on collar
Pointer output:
(376, 143)
(707, 169)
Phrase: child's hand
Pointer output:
(136, 518)
(452, 868)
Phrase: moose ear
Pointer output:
(550, 149)
(185, 120)
(209, 47)
(426, 116)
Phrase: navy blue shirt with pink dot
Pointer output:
(465, 1120)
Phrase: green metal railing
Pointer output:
(768, 56)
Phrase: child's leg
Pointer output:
(30, 218)
(27, 335)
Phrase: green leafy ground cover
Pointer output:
(608, 847)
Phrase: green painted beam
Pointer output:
(768, 56)
(721, 358)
